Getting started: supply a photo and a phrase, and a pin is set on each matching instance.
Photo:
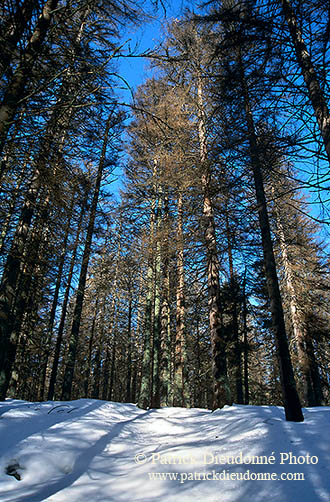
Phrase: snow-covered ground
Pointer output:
(97, 451)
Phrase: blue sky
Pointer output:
(135, 69)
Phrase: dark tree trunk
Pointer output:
(315, 394)
(129, 353)
(246, 345)
(289, 392)
(144, 400)
(112, 369)
(11, 275)
(90, 349)
(234, 289)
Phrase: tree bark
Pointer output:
(129, 353)
(165, 333)
(178, 398)
(246, 346)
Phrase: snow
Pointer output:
(98, 451)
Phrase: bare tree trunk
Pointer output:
(144, 400)
(129, 353)
(178, 399)
(90, 349)
(246, 346)
(112, 369)
(222, 394)
(98, 355)
(155, 398)
(165, 333)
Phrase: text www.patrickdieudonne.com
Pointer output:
(225, 475)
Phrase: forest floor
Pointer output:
(97, 451)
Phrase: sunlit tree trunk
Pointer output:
(222, 394)
(180, 310)
(165, 332)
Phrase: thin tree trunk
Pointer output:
(129, 353)
(98, 356)
(155, 399)
(90, 349)
(112, 370)
(144, 396)
(246, 346)
(315, 398)
(180, 310)
(234, 295)
(114, 294)
(144, 400)
(165, 334)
